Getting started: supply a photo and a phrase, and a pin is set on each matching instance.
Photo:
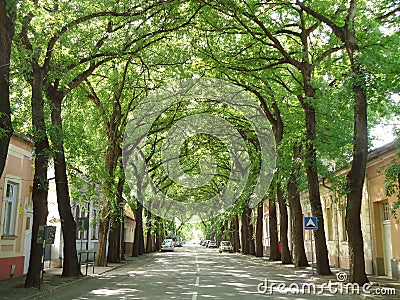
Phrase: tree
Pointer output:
(7, 25)
(299, 254)
(355, 178)
(40, 182)
(138, 242)
(114, 116)
(259, 230)
(235, 234)
(39, 75)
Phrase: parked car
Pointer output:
(205, 243)
(212, 244)
(225, 246)
(167, 245)
(178, 244)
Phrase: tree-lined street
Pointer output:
(195, 272)
(204, 119)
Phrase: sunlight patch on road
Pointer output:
(107, 292)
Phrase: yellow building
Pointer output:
(381, 230)
(385, 226)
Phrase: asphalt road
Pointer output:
(195, 272)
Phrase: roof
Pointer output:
(24, 137)
(383, 149)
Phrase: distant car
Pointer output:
(205, 243)
(225, 246)
(212, 244)
(178, 244)
(167, 245)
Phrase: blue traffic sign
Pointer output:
(310, 223)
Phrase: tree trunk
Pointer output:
(220, 236)
(115, 237)
(236, 236)
(121, 204)
(70, 263)
(149, 235)
(112, 155)
(40, 181)
(138, 243)
(113, 253)
(149, 242)
(299, 253)
(159, 234)
(252, 248)
(259, 230)
(356, 176)
(283, 232)
(314, 195)
(274, 254)
(355, 181)
(310, 161)
(245, 233)
(231, 233)
(103, 234)
(7, 19)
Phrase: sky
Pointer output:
(381, 135)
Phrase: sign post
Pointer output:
(311, 223)
(46, 235)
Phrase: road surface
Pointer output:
(195, 272)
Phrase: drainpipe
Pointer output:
(372, 245)
(337, 203)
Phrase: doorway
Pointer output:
(387, 238)
(27, 241)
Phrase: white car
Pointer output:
(225, 246)
(212, 244)
(167, 245)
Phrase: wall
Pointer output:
(129, 233)
(333, 206)
(378, 198)
(18, 170)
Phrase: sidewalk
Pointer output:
(14, 288)
(341, 275)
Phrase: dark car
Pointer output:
(178, 244)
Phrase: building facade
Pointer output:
(385, 226)
(16, 210)
(380, 227)
(86, 215)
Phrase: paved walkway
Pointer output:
(14, 288)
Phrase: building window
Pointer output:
(95, 226)
(82, 223)
(344, 231)
(329, 220)
(386, 211)
(77, 215)
(10, 208)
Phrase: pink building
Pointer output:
(16, 209)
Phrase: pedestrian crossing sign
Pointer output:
(310, 223)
